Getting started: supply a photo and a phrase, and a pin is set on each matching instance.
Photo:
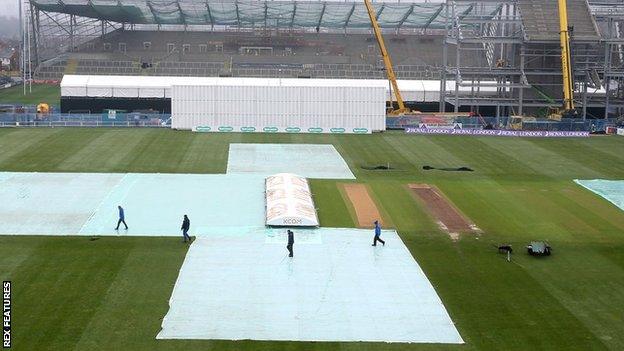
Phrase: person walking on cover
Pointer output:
(122, 218)
(291, 242)
(186, 224)
(377, 234)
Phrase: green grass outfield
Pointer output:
(71, 293)
(50, 94)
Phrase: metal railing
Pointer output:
(156, 120)
(151, 120)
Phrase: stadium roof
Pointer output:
(259, 13)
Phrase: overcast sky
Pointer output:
(9, 8)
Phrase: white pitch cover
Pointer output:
(289, 201)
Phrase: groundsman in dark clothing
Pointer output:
(186, 224)
(291, 242)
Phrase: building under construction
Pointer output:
(494, 58)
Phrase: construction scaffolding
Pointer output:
(610, 17)
(491, 31)
(519, 43)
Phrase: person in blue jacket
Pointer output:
(186, 224)
(122, 218)
(377, 234)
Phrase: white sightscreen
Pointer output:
(267, 107)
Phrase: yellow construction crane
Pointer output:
(566, 65)
(387, 63)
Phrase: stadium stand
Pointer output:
(257, 55)
(513, 44)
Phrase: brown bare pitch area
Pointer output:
(365, 209)
(449, 218)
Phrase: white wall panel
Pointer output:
(277, 108)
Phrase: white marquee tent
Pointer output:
(161, 87)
